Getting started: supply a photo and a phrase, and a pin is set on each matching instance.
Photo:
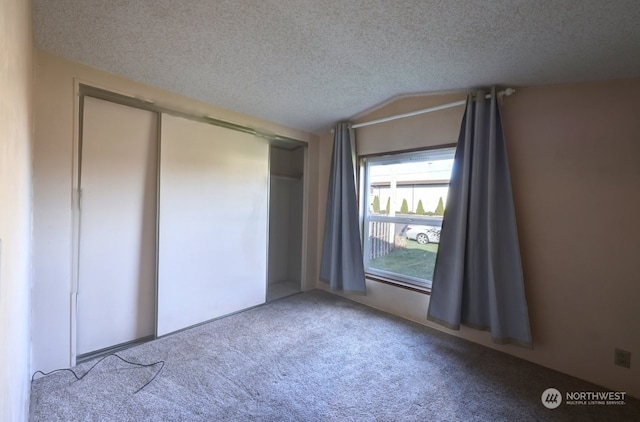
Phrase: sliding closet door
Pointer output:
(117, 248)
(213, 222)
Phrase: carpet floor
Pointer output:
(314, 357)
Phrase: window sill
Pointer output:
(396, 283)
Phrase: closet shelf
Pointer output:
(297, 176)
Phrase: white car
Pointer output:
(423, 234)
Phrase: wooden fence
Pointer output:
(381, 236)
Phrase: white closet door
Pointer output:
(117, 250)
(213, 222)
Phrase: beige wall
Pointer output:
(56, 124)
(574, 152)
(16, 76)
(436, 128)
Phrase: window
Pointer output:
(404, 196)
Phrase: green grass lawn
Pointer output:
(415, 260)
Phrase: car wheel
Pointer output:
(422, 238)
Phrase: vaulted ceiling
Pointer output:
(310, 63)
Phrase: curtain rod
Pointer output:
(506, 92)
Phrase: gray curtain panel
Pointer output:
(342, 266)
(478, 279)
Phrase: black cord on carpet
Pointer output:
(96, 364)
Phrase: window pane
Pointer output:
(391, 251)
(408, 191)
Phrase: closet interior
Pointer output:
(285, 221)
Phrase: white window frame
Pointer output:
(431, 154)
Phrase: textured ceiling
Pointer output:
(310, 63)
